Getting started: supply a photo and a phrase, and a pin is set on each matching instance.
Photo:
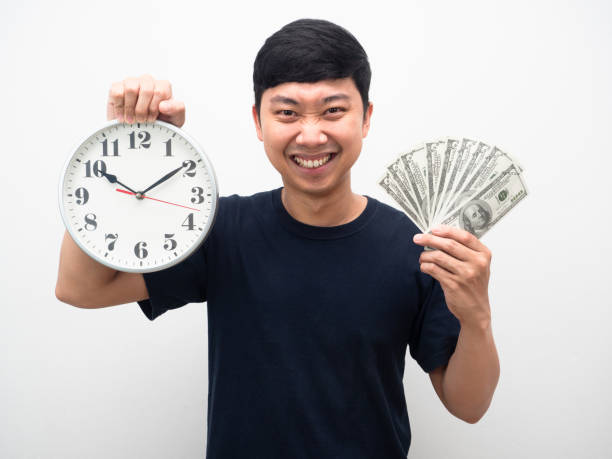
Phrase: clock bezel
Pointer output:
(199, 241)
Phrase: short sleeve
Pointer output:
(176, 286)
(435, 330)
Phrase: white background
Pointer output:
(531, 76)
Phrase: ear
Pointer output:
(257, 123)
(366, 120)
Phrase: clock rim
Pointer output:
(205, 232)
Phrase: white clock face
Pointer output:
(138, 197)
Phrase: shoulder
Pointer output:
(235, 211)
(236, 201)
(392, 221)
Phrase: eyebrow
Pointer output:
(289, 101)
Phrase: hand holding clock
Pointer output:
(144, 99)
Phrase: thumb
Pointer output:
(172, 111)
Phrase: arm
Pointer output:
(462, 266)
(82, 281)
(466, 385)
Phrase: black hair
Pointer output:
(307, 51)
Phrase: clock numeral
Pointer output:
(168, 147)
(140, 250)
(170, 243)
(188, 222)
(199, 195)
(190, 165)
(143, 136)
(99, 168)
(82, 196)
(113, 239)
(90, 222)
(115, 147)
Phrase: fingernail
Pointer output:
(417, 238)
(129, 119)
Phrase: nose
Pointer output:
(310, 135)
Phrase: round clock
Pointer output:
(138, 197)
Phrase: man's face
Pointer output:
(313, 132)
(476, 216)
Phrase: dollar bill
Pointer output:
(463, 182)
(392, 189)
(433, 157)
(450, 148)
(415, 169)
(490, 204)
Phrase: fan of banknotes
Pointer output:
(463, 183)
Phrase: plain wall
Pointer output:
(530, 76)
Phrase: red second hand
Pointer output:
(159, 200)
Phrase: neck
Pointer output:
(333, 208)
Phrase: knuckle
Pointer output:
(139, 111)
(146, 92)
(160, 93)
(437, 256)
(116, 92)
(450, 245)
(131, 86)
(483, 262)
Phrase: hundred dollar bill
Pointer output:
(433, 157)
(448, 157)
(490, 204)
(397, 172)
(458, 163)
(471, 163)
(393, 190)
(414, 171)
(495, 162)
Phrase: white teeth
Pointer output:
(310, 164)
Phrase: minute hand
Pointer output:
(163, 179)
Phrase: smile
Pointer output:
(310, 163)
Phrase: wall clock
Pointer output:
(138, 197)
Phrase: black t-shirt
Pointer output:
(308, 328)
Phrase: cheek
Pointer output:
(277, 136)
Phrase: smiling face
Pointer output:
(312, 133)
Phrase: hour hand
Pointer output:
(113, 179)
(163, 179)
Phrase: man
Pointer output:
(313, 292)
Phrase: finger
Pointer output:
(130, 87)
(462, 236)
(162, 91)
(172, 111)
(442, 259)
(450, 246)
(114, 107)
(145, 94)
(437, 272)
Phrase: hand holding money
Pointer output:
(462, 266)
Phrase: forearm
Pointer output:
(472, 373)
(79, 274)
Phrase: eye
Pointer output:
(335, 110)
(286, 113)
